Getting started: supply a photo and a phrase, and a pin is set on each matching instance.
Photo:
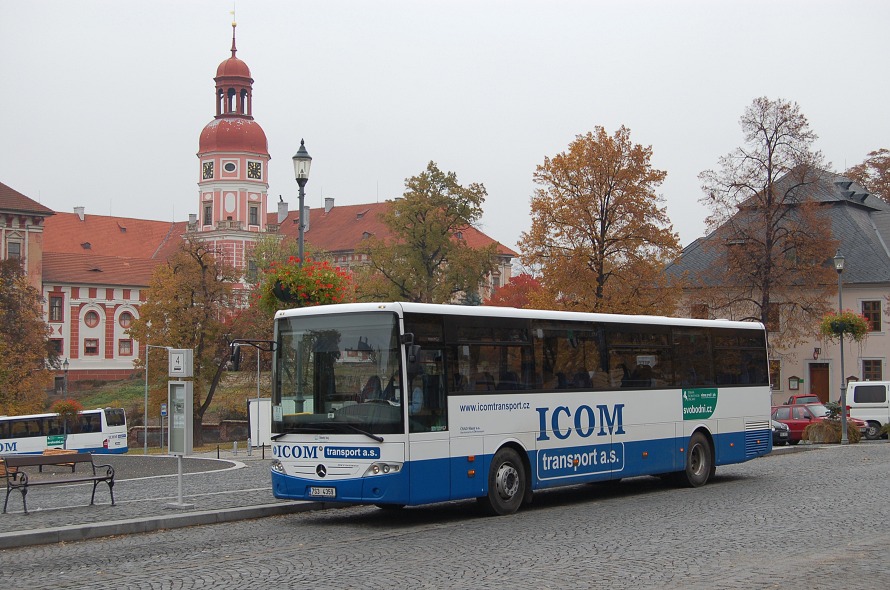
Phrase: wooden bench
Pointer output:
(23, 482)
(50, 452)
(10, 470)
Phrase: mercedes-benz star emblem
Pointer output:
(321, 471)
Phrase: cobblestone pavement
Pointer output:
(145, 489)
(813, 518)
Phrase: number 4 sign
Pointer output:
(180, 363)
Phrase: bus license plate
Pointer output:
(323, 492)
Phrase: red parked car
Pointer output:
(802, 398)
(797, 417)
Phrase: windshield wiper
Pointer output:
(365, 432)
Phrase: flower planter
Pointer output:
(283, 294)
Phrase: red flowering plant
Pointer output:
(315, 282)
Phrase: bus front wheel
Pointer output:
(700, 465)
(506, 483)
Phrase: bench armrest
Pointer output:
(109, 470)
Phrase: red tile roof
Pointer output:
(100, 235)
(106, 250)
(13, 200)
(343, 227)
(64, 268)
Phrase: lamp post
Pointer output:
(65, 366)
(302, 163)
(839, 267)
(148, 347)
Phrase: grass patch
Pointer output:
(229, 400)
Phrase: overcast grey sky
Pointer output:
(102, 102)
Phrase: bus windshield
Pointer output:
(338, 374)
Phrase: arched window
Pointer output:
(231, 106)
(245, 102)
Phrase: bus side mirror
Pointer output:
(235, 355)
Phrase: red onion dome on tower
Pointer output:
(233, 128)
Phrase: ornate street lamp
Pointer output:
(302, 163)
(839, 267)
(65, 366)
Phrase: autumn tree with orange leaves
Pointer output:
(189, 305)
(518, 292)
(600, 236)
(874, 173)
(25, 352)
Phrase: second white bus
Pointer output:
(93, 431)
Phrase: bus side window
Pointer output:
(88, 423)
(18, 428)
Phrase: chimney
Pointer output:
(328, 204)
(193, 218)
(305, 218)
(80, 212)
(282, 211)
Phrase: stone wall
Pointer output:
(225, 431)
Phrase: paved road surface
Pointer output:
(798, 519)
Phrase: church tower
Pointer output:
(233, 167)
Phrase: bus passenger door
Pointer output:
(428, 449)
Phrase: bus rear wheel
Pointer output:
(700, 466)
(506, 483)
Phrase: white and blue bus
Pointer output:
(90, 431)
(400, 404)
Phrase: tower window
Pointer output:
(254, 215)
(208, 214)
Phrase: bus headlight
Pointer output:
(382, 468)
(277, 467)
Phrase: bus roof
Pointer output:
(46, 414)
(510, 312)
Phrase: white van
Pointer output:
(868, 400)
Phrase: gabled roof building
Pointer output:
(860, 223)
